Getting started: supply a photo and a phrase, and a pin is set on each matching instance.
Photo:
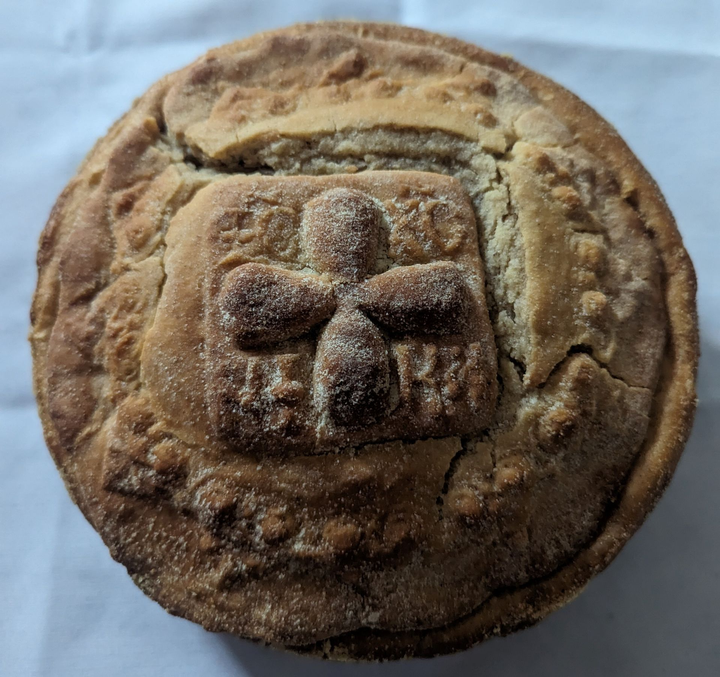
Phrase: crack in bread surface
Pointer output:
(499, 492)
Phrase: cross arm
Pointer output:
(421, 299)
(262, 304)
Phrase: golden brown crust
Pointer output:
(612, 362)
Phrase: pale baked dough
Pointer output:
(362, 341)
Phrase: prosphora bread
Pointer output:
(362, 341)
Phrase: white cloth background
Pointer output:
(68, 68)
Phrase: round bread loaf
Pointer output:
(363, 341)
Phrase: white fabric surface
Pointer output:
(69, 68)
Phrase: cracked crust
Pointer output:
(334, 470)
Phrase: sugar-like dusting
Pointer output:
(341, 229)
(262, 304)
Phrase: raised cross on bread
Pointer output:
(262, 304)
(335, 311)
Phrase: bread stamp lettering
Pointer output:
(305, 355)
